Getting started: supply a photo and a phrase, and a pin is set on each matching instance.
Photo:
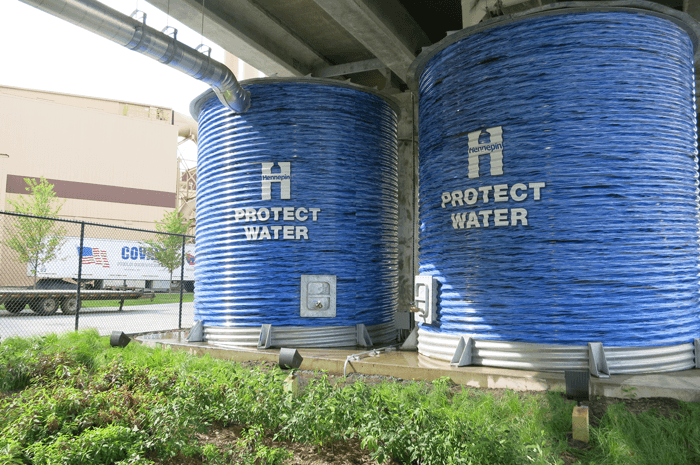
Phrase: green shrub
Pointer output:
(109, 444)
(11, 451)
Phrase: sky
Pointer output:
(42, 52)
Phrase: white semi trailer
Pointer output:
(111, 269)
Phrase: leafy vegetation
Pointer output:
(74, 399)
(36, 240)
(166, 249)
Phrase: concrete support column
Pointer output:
(692, 7)
(473, 11)
(408, 205)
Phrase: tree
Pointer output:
(166, 249)
(36, 240)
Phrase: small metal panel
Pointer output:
(363, 337)
(463, 353)
(318, 296)
(265, 340)
(196, 333)
(597, 362)
(425, 298)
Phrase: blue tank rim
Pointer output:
(196, 104)
(683, 20)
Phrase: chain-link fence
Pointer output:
(60, 275)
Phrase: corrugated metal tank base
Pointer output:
(550, 357)
(298, 336)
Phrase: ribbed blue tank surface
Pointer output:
(559, 181)
(304, 183)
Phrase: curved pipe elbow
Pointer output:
(231, 94)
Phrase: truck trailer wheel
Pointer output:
(69, 305)
(45, 306)
(15, 306)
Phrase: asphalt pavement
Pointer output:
(132, 319)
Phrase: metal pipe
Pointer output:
(361, 355)
(80, 274)
(135, 35)
(182, 282)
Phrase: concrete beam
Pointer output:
(474, 11)
(248, 32)
(509, 7)
(349, 68)
(384, 27)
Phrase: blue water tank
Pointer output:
(559, 180)
(297, 214)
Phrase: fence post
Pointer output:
(182, 281)
(80, 273)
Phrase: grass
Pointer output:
(73, 399)
(158, 299)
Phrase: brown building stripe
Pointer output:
(98, 192)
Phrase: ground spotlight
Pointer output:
(290, 358)
(119, 339)
(577, 384)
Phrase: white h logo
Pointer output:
(493, 148)
(284, 178)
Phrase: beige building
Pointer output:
(113, 162)
(110, 162)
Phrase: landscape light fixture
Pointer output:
(290, 358)
(577, 382)
(119, 339)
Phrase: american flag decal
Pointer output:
(95, 256)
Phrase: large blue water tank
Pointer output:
(559, 187)
(297, 214)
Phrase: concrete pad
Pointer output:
(682, 385)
